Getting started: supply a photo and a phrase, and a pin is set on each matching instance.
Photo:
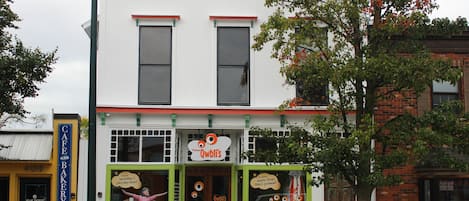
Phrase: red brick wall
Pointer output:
(400, 103)
(408, 101)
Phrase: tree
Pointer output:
(368, 46)
(21, 68)
(84, 127)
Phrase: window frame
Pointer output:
(248, 71)
(309, 100)
(166, 134)
(154, 65)
(444, 93)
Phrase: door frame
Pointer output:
(34, 180)
(207, 172)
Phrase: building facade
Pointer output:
(38, 165)
(178, 89)
(431, 183)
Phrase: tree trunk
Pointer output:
(364, 193)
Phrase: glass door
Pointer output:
(4, 189)
(34, 189)
(208, 184)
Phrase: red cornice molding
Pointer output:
(247, 18)
(196, 111)
(169, 17)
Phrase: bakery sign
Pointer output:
(64, 162)
(212, 148)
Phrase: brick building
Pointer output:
(430, 183)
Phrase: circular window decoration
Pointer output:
(194, 194)
(211, 138)
(201, 144)
(199, 186)
(276, 197)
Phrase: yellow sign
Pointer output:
(265, 181)
(126, 180)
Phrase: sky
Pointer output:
(51, 24)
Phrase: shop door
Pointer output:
(34, 189)
(208, 184)
(4, 189)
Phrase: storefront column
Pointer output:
(14, 187)
(245, 184)
(171, 182)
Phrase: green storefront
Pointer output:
(198, 165)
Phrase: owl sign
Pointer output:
(213, 148)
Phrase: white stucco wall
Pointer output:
(194, 78)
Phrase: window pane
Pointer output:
(155, 45)
(233, 85)
(152, 149)
(277, 185)
(155, 84)
(441, 98)
(135, 182)
(233, 46)
(128, 149)
(312, 95)
(444, 87)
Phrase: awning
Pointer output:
(35, 147)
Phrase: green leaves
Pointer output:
(369, 45)
(21, 68)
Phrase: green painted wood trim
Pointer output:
(234, 183)
(138, 118)
(247, 168)
(273, 167)
(283, 120)
(247, 121)
(309, 189)
(169, 168)
(171, 182)
(173, 120)
(103, 118)
(210, 120)
(182, 182)
(245, 184)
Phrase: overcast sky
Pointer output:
(51, 24)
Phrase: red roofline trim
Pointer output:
(170, 17)
(249, 18)
(194, 111)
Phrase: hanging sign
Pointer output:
(64, 162)
(213, 148)
(265, 181)
(126, 179)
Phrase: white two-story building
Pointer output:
(178, 89)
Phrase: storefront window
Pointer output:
(4, 188)
(264, 148)
(277, 185)
(34, 189)
(139, 185)
(444, 189)
(144, 145)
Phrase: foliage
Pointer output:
(368, 45)
(84, 125)
(21, 68)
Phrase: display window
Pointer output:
(139, 185)
(277, 186)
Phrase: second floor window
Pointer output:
(311, 94)
(443, 92)
(155, 65)
(233, 65)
